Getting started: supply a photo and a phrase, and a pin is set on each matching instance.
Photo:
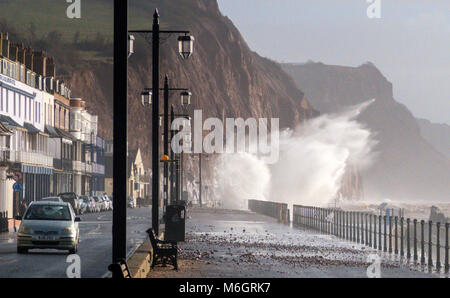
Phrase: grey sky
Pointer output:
(410, 44)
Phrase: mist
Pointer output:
(312, 162)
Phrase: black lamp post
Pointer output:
(185, 44)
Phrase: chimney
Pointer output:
(13, 51)
(39, 63)
(20, 53)
(29, 58)
(4, 45)
(51, 70)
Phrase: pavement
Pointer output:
(230, 243)
(95, 248)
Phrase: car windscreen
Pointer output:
(51, 199)
(48, 212)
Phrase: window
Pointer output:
(1, 98)
(30, 110)
(14, 103)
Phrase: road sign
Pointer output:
(17, 186)
(17, 176)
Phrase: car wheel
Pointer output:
(22, 250)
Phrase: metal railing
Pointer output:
(420, 242)
(4, 227)
(279, 211)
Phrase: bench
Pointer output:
(164, 252)
(120, 269)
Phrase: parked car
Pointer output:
(52, 199)
(90, 204)
(100, 203)
(47, 224)
(95, 204)
(72, 198)
(130, 202)
(108, 202)
(82, 206)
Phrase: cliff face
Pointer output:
(407, 167)
(438, 135)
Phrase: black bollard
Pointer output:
(396, 236)
(422, 242)
(438, 246)
(408, 242)
(415, 240)
(430, 244)
(367, 228)
(370, 229)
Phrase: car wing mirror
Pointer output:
(77, 219)
(18, 217)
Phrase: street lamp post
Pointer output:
(185, 49)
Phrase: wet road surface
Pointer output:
(95, 248)
(225, 243)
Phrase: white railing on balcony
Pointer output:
(33, 158)
(78, 166)
(98, 169)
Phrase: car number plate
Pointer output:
(46, 238)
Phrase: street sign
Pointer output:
(17, 176)
(17, 186)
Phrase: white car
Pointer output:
(48, 224)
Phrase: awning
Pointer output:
(64, 134)
(50, 130)
(31, 128)
(9, 122)
(36, 170)
(4, 130)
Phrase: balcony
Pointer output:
(98, 168)
(33, 158)
(78, 166)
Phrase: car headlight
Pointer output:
(25, 230)
(68, 231)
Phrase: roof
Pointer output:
(30, 127)
(49, 203)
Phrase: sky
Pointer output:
(410, 43)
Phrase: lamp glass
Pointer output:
(146, 98)
(185, 46)
(185, 98)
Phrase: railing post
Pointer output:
(438, 246)
(385, 233)
(408, 244)
(380, 247)
(357, 227)
(390, 233)
(415, 239)
(396, 235)
(367, 228)
(422, 241)
(352, 225)
(402, 240)
(446, 248)
(347, 225)
(375, 239)
(430, 244)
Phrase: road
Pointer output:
(230, 243)
(95, 249)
